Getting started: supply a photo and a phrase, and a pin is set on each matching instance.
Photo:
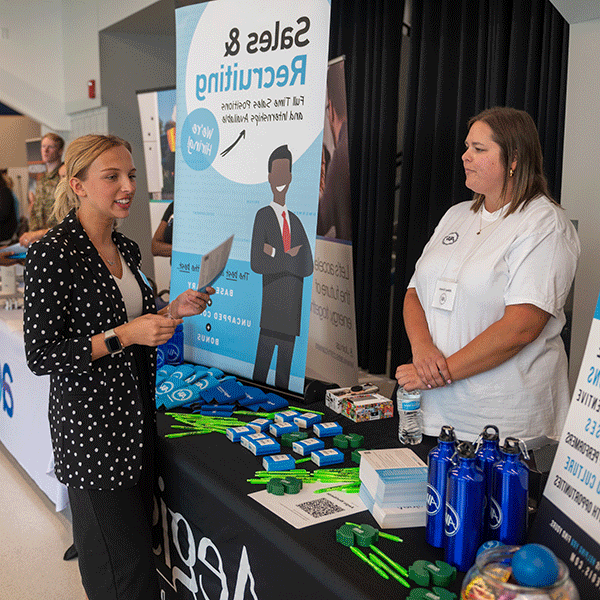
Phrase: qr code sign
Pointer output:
(320, 508)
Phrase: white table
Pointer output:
(24, 428)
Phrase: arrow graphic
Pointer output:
(242, 135)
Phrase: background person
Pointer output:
(40, 214)
(8, 215)
(90, 323)
(162, 240)
(484, 308)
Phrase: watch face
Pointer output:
(113, 344)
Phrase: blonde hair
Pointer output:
(80, 154)
(516, 134)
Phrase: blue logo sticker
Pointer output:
(452, 521)
(434, 501)
(200, 139)
(495, 514)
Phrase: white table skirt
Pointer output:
(24, 428)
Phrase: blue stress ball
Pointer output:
(534, 565)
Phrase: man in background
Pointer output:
(40, 216)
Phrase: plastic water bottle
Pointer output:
(410, 416)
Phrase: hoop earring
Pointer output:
(510, 172)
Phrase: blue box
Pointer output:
(287, 416)
(279, 462)
(332, 456)
(264, 445)
(247, 438)
(278, 429)
(235, 433)
(306, 420)
(327, 429)
(260, 425)
(305, 447)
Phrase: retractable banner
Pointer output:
(251, 82)
(568, 519)
(332, 355)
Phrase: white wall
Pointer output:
(50, 50)
(581, 175)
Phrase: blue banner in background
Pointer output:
(250, 101)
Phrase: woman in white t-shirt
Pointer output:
(484, 308)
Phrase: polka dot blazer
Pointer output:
(95, 407)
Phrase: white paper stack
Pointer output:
(394, 487)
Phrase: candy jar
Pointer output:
(499, 574)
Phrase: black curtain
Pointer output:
(368, 33)
(467, 56)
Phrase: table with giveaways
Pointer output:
(214, 541)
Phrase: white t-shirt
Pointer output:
(130, 290)
(529, 257)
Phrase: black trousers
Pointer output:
(267, 340)
(112, 529)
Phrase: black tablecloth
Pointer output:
(213, 541)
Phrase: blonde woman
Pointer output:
(90, 323)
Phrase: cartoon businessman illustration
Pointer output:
(281, 253)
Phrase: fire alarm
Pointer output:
(92, 88)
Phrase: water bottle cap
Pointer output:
(447, 434)
(465, 450)
(511, 446)
(494, 435)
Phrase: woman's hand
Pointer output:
(408, 378)
(190, 303)
(147, 330)
(6, 260)
(431, 366)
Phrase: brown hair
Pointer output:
(81, 153)
(516, 134)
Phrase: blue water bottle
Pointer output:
(488, 455)
(510, 492)
(439, 461)
(464, 509)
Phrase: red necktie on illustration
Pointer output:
(287, 240)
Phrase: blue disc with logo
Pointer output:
(199, 141)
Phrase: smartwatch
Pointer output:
(113, 343)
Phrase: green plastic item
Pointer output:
(356, 455)
(287, 439)
(393, 563)
(291, 485)
(356, 441)
(437, 593)
(274, 486)
(425, 573)
(345, 535)
(365, 535)
(384, 566)
(442, 574)
(341, 441)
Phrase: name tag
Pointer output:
(444, 295)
